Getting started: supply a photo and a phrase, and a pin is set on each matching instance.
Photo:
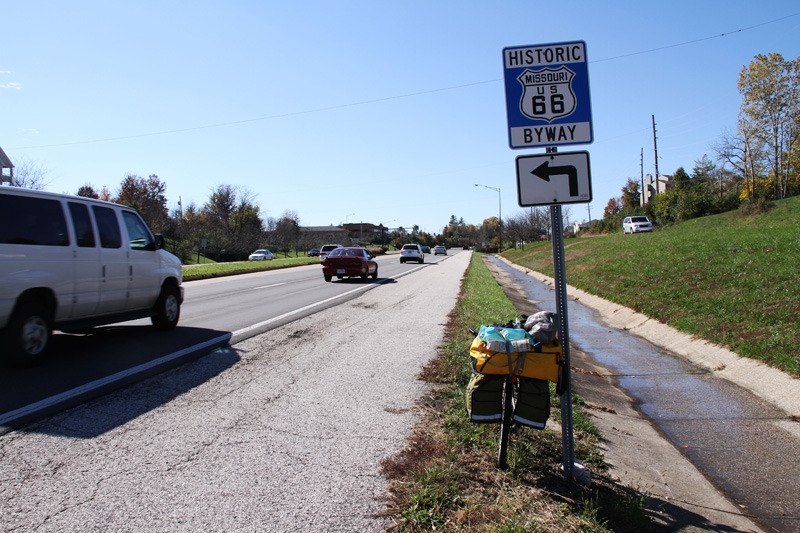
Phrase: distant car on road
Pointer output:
(412, 252)
(349, 262)
(440, 250)
(426, 249)
(326, 249)
(261, 255)
(638, 224)
(314, 252)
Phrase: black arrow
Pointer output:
(544, 171)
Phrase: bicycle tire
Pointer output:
(505, 422)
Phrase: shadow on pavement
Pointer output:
(80, 368)
(110, 411)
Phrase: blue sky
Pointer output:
(347, 111)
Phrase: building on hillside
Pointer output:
(319, 235)
(578, 226)
(5, 163)
(653, 187)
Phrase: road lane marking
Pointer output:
(244, 331)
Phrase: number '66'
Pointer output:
(540, 104)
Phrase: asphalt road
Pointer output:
(216, 312)
(284, 431)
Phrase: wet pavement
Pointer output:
(747, 446)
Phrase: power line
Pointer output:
(726, 34)
(384, 99)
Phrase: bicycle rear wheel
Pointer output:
(505, 422)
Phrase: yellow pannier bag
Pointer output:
(542, 362)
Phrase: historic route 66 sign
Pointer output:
(547, 95)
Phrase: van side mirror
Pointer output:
(160, 244)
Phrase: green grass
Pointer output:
(447, 479)
(729, 278)
(191, 272)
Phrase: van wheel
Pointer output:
(28, 334)
(167, 309)
(375, 274)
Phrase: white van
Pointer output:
(70, 263)
(326, 249)
(638, 224)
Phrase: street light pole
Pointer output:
(500, 210)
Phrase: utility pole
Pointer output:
(655, 148)
(641, 171)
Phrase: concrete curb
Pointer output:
(771, 384)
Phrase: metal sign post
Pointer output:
(559, 269)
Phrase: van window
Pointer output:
(108, 227)
(140, 236)
(82, 224)
(36, 221)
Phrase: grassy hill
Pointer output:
(732, 279)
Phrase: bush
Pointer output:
(377, 250)
(757, 206)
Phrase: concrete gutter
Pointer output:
(771, 384)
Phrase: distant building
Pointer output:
(324, 235)
(5, 163)
(578, 226)
(652, 186)
(364, 231)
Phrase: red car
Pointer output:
(350, 262)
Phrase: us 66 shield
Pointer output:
(547, 95)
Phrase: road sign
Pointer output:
(553, 179)
(547, 95)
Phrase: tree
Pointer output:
(29, 174)
(733, 151)
(516, 229)
(233, 224)
(631, 196)
(614, 207)
(220, 205)
(490, 231)
(87, 191)
(287, 231)
(769, 117)
(681, 179)
(148, 197)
